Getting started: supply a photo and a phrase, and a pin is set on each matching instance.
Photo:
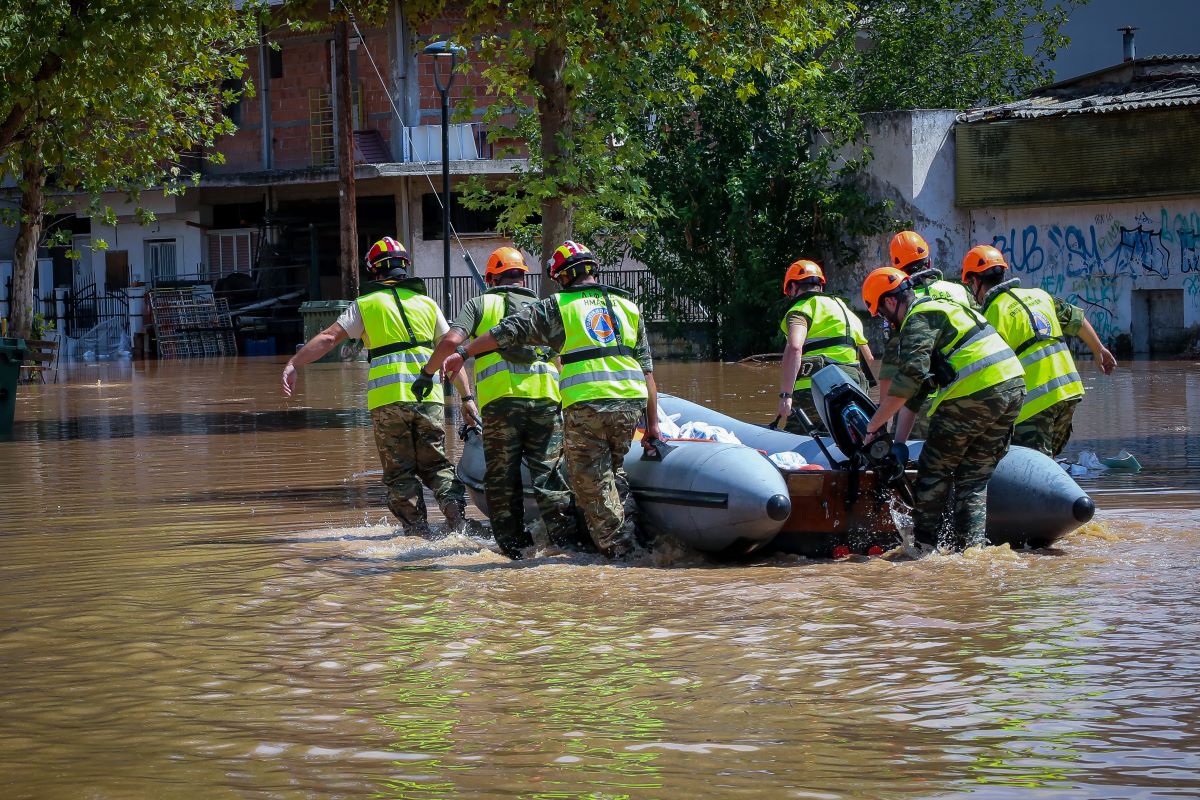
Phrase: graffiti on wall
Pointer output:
(1095, 262)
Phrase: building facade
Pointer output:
(1090, 187)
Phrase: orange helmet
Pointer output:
(907, 247)
(387, 254)
(982, 258)
(803, 270)
(880, 283)
(569, 255)
(502, 260)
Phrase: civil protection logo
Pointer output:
(1042, 324)
(599, 326)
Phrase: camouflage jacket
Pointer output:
(541, 323)
(516, 299)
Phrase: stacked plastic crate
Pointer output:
(191, 323)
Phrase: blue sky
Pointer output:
(1165, 27)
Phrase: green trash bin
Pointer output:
(12, 353)
(318, 315)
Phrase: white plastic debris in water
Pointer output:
(788, 461)
(1074, 470)
(1089, 460)
(708, 433)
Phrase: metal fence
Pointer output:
(657, 304)
(87, 308)
(75, 312)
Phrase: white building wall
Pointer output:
(190, 254)
(912, 166)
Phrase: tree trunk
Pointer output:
(554, 118)
(348, 227)
(33, 206)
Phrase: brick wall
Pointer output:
(306, 68)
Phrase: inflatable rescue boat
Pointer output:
(731, 499)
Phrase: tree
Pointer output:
(588, 72)
(104, 95)
(754, 174)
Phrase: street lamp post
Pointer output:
(446, 53)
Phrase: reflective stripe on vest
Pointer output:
(834, 331)
(398, 353)
(978, 354)
(595, 364)
(496, 377)
(1028, 321)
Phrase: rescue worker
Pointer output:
(400, 325)
(981, 386)
(518, 394)
(1034, 324)
(820, 330)
(910, 253)
(607, 383)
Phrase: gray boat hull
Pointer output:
(716, 498)
(1031, 500)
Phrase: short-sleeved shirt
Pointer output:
(541, 323)
(351, 322)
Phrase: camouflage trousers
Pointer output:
(967, 438)
(411, 439)
(803, 400)
(516, 431)
(1049, 430)
(597, 437)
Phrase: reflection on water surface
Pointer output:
(201, 596)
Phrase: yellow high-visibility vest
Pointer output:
(1027, 320)
(496, 377)
(979, 356)
(400, 324)
(598, 361)
(834, 331)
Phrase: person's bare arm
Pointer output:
(652, 432)
(313, 349)
(793, 354)
(889, 405)
(904, 424)
(445, 347)
(1104, 359)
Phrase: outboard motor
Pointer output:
(846, 410)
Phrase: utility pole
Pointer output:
(348, 221)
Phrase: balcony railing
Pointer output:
(468, 142)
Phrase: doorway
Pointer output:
(1157, 322)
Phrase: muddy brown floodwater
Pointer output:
(201, 596)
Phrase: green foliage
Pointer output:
(746, 184)
(577, 82)
(756, 172)
(41, 326)
(107, 94)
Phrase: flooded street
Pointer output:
(202, 595)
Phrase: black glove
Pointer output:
(422, 386)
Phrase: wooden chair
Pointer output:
(41, 356)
